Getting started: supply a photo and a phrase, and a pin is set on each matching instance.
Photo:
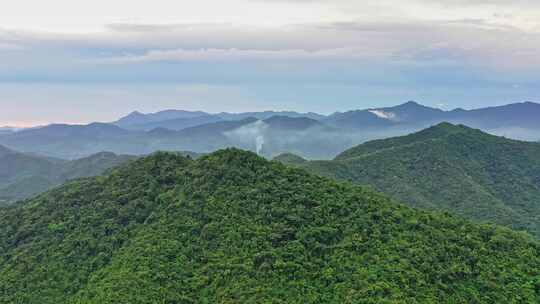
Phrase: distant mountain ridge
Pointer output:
(137, 118)
(179, 119)
(520, 115)
(310, 135)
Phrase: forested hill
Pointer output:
(232, 227)
(449, 167)
(23, 175)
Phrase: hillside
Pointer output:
(288, 123)
(176, 124)
(452, 168)
(76, 141)
(289, 159)
(232, 227)
(500, 119)
(23, 175)
(409, 113)
(16, 167)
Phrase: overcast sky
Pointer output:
(81, 61)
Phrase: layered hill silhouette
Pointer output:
(271, 133)
(24, 175)
(448, 167)
(518, 116)
(232, 227)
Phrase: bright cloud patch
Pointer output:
(383, 114)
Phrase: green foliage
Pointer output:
(232, 227)
(290, 159)
(451, 168)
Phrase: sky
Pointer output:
(80, 61)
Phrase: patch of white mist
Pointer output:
(383, 114)
(251, 135)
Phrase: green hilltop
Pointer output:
(231, 227)
(452, 168)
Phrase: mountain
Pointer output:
(358, 119)
(513, 119)
(232, 227)
(23, 175)
(6, 130)
(17, 167)
(452, 168)
(212, 129)
(178, 119)
(138, 118)
(521, 115)
(409, 113)
(5, 151)
(202, 139)
(289, 159)
(77, 141)
(307, 134)
(292, 123)
(177, 123)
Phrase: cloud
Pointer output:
(465, 42)
(398, 49)
(241, 55)
(337, 53)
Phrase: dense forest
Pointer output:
(232, 227)
(448, 167)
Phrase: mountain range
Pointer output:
(447, 167)
(309, 135)
(518, 115)
(179, 119)
(232, 227)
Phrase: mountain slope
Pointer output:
(177, 123)
(453, 168)
(289, 159)
(522, 115)
(23, 175)
(409, 113)
(234, 228)
(292, 123)
(15, 166)
(178, 119)
(76, 141)
(358, 119)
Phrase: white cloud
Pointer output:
(468, 42)
(486, 35)
(383, 114)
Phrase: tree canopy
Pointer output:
(451, 168)
(232, 227)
